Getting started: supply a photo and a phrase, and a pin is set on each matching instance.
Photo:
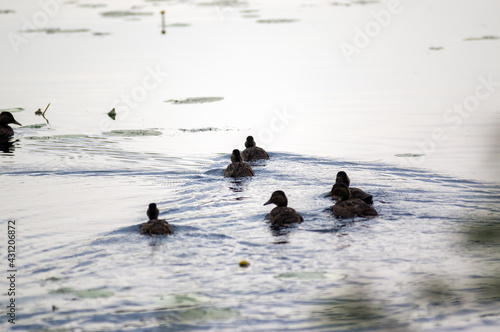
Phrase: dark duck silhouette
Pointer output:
(156, 226)
(349, 207)
(5, 130)
(252, 151)
(355, 192)
(282, 215)
(238, 168)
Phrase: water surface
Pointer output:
(78, 183)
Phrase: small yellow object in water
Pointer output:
(244, 264)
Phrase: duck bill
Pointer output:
(268, 202)
(330, 194)
(17, 123)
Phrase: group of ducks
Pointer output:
(351, 202)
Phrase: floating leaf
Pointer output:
(195, 100)
(277, 20)
(93, 293)
(112, 114)
(62, 290)
(410, 155)
(133, 132)
(124, 14)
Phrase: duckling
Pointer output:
(238, 168)
(5, 130)
(156, 226)
(355, 192)
(252, 151)
(348, 207)
(282, 215)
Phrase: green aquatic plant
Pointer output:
(112, 114)
(133, 132)
(194, 100)
(278, 20)
(84, 294)
(409, 155)
(125, 14)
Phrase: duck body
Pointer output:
(348, 207)
(6, 131)
(355, 192)
(238, 168)
(156, 226)
(282, 215)
(252, 151)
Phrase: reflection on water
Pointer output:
(7, 147)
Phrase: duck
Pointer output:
(349, 207)
(5, 130)
(252, 151)
(355, 192)
(282, 215)
(238, 168)
(155, 226)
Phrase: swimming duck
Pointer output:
(156, 226)
(5, 130)
(348, 207)
(355, 192)
(238, 168)
(252, 151)
(282, 215)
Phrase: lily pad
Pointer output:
(278, 20)
(89, 5)
(198, 130)
(133, 132)
(36, 126)
(410, 155)
(223, 3)
(62, 290)
(7, 11)
(178, 25)
(56, 30)
(183, 300)
(84, 294)
(195, 100)
(53, 279)
(94, 293)
(125, 14)
(482, 38)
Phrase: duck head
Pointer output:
(279, 198)
(250, 142)
(7, 117)
(343, 178)
(341, 190)
(153, 212)
(236, 156)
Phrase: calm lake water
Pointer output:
(412, 117)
